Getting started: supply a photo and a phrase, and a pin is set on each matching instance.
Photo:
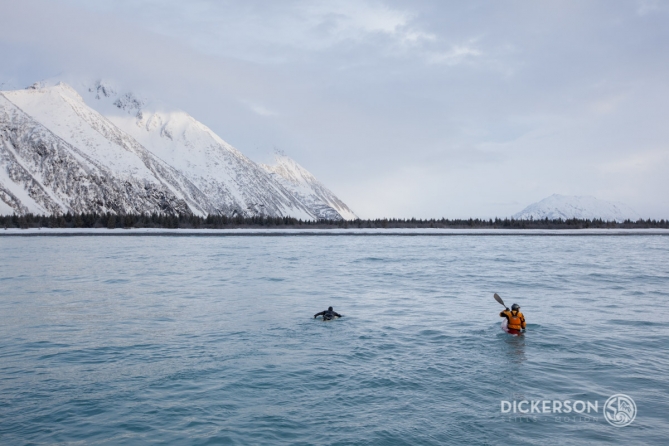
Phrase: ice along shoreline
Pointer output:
(32, 232)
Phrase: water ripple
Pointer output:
(192, 340)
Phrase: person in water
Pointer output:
(515, 319)
(328, 314)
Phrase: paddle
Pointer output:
(499, 299)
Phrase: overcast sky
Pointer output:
(403, 108)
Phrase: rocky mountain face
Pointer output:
(110, 152)
(582, 207)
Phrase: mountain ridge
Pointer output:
(111, 142)
(577, 206)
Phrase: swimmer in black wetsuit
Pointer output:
(328, 314)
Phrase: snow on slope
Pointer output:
(582, 207)
(119, 153)
(70, 166)
(308, 189)
(62, 110)
(232, 182)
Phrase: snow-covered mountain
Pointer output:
(582, 207)
(111, 152)
(303, 185)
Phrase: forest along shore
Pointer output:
(189, 221)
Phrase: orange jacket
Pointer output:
(515, 319)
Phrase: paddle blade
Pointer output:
(499, 299)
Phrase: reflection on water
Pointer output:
(514, 347)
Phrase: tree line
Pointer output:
(189, 221)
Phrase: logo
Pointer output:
(620, 410)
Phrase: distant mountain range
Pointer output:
(96, 149)
(581, 207)
(99, 150)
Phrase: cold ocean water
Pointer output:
(211, 340)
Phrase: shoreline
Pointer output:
(36, 232)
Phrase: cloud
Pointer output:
(313, 25)
(350, 19)
(259, 109)
(456, 55)
(607, 105)
(263, 32)
(645, 7)
(638, 163)
(448, 106)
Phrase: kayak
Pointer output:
(511, 331)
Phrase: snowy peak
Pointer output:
(581, 207)
(301, 183)
(130, 104)
(129, 111)
(110, 151)
(57, 155)
(107, 95)
(43, 88)
(102, 89)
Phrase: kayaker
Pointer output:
(328, 314)
(515, 319)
